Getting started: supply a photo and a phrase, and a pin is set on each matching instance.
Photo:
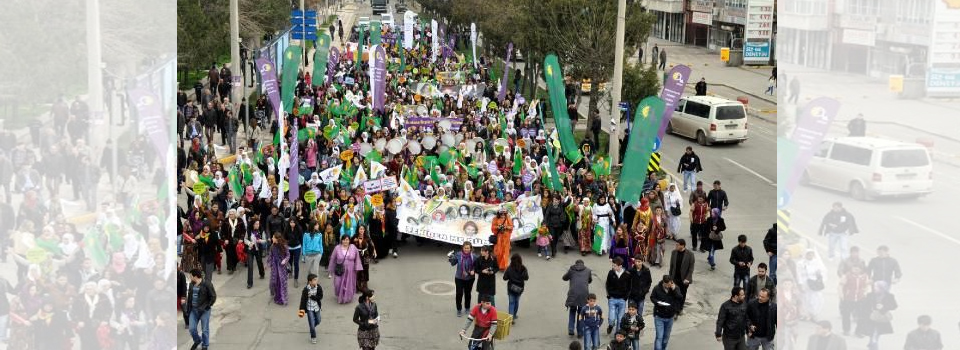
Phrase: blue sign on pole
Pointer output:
(783, 198)
(304, 25)
(624, 106)
(656, 144)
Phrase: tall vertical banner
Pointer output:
(558, 104)
(268, 79)
(320, 56)
(555, 183)
(473, 41)
(332, 64)
(637, 157)
(375, 33)
(294, 174)
(435, 40)
(408, 30)
(379, 77)
(360, 43)
(812, 127)
(151, 119)
(670, 94)
(506, 71)
(291, 66)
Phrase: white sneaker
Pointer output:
(313, 340)
(539, 255)
(548, 258)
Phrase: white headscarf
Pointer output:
(67, 245)
(218, 179)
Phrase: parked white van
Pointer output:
(868, 167)
(709, 120)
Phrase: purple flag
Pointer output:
(506, 70)
(670, 94)
(333, 62)
(268, 77)
(148, 108)
(811, 128)
(294, 174)
(379, 77)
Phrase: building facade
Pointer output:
(804, 34)
(670, 23)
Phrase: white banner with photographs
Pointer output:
(456, 221)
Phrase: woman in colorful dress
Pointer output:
(603, 217)
(368, 252)
(657, 233)
(279, 255)
(585, 227)
(641, 226)
(367, 319)
(343, 267)
(622, 245)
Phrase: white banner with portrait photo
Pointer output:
(456, 221)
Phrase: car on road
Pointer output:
(709, 120)
(867, 167)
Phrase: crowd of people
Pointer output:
(243, 210)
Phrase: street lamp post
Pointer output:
(614, 140)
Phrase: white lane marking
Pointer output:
(751, 171)
(928, 229)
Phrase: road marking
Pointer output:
(750, 171)
(928, 229)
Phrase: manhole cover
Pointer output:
(439, 288)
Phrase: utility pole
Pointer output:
(94, 62)
(614, 149)
(235, 69)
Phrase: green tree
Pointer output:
(639, 82)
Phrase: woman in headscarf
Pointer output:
(714, 241)
(585, 226)
(603, 217)
(279, 255)
(641, 226)
(673, 209)
(812, 277)
(874, 316)
(656, 233)
(343, 267)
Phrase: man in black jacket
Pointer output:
(770, 245)
(200, 299)
(667, 304)
(717, 197)
(689, 167)
(618, 289)
(640, 282)
(759, 282)
(732, 321)
(761, 321)
(701, 87)
(741, 257)
(555, 218)
(838, 225)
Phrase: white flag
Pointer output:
(360, 178)
(330, 175)
(377, 169)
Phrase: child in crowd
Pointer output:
(592, 317)
(543, 241)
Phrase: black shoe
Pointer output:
(195, 345)
(249, 286)
(261, 276)
(609, 329)
(570, 333)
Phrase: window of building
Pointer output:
(863, 7)
(914, 11)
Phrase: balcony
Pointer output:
(803, 22)
(668, 6)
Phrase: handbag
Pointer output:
(675, 210)
(338, 269)
(514, 289)
(816, 285)
(716, 236)
(881, 316)
(242, 252)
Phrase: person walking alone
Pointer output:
(516, 277)
(838, 225)
(761, 321)
(701, 87)
(464, 276)
(732, 321)
(310, 300)
(663, 59)
(741, 257)
(200, 299)
(618, 289)
(681, 267)
(857, 126)
(580, 278)
(667, 304)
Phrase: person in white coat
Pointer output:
(812, 275)
(603, 216)
(673, 203)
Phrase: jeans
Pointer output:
(756, 343)
(208, 271)
(313, 319)
(740, 278)
(545, 250)
(689, 180)
(514, 304)
(737, 343)
(204, 317)
(591, 338)
(839, 241)
(4, 320)
(464, 288)
(773, 268)
(295, 262)
(616, 307)
(179, 244)
(640, 304)
(663, 327)
(634, 343)
(572, 322)
(711, 256)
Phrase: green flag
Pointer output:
(601, 167)
(306, 134)
(94, 243)
(207, 181)
(320, 57)
(291, 65)
(375, 156)
(375, 33)
(558, 104)
(403, 60)
(233, 178)
(554, 183)
(517, 161)
(247, 174)
(643, 135)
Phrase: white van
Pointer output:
(868, 167)
(709, 120)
